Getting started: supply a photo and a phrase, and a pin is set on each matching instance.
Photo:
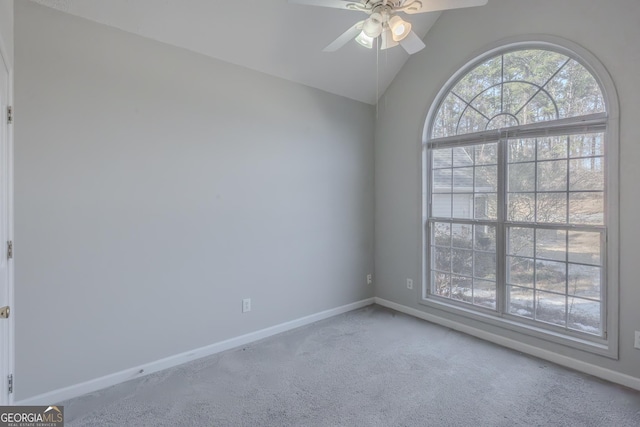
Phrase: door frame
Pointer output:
(9, 344)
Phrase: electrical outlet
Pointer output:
(246, 305)
(409, 283)
(369, 279)
(637, 342)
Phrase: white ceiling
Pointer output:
(271, 36)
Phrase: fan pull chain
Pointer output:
(377, 75)
(386, 67)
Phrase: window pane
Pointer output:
(462, 180)
(486, 206)
(552, 176)
(552, 208)
(521, 207)
(480, 78)
(486, 179)
(551, 308)
(584, 247)
(461, 270)
(462, 262)
(502, 121)
(442, 158)
(552, 147)
(489, 102)
(588, 145)
(441, 205)
(584, 316)
(471, 121)
(442, 259)
(518, 65)
(485, 238)
(486, 154)
(551, 276)
(461, 288)
(522, 150)
(441, 284)
(522, 177)
(463, 156)
(584, 281)
(520, 241)
(442, 233)
(484, 266)
(520, 271)
(463, 206)
(576, 91)
(484, 293)
(447, 117)
(515, 96)
(551, 244)
(462, 236)
(520, 301)
(586, 174)
(540, 109)
(471, 174)
(586, 208)
(442, 181)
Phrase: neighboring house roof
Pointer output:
(462, 173)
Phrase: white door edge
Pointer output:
(8, 344)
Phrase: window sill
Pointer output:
(597, 346)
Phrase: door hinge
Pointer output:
(9, 114)
(9, 249)
(10, 383)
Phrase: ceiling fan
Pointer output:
(384, 21)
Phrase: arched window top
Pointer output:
(517, 88)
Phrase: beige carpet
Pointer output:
(370, 367)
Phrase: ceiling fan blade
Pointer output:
(335, 4)
(437, 5)
(347, 36)
(412, 43)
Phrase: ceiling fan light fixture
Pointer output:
(400, 28)
(364, 40)
(387, 39)
(372, 27)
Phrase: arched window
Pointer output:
(517, 187)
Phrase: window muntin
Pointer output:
(555, 276)
(557, 179)
(540, 194)
(463, 262)
(518, 88)
(465, 182)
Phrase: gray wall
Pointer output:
(610, 31)
(6, 26)
(156, 188)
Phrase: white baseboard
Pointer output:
(96, 384)
(569, 362)
(178, 359)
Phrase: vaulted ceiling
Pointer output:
(270, 36)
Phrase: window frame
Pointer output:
(608, 124)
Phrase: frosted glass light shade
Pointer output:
(365, 40)
(373, 25)
(400, 28)
(387, 40)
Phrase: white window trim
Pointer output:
(609, 346)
